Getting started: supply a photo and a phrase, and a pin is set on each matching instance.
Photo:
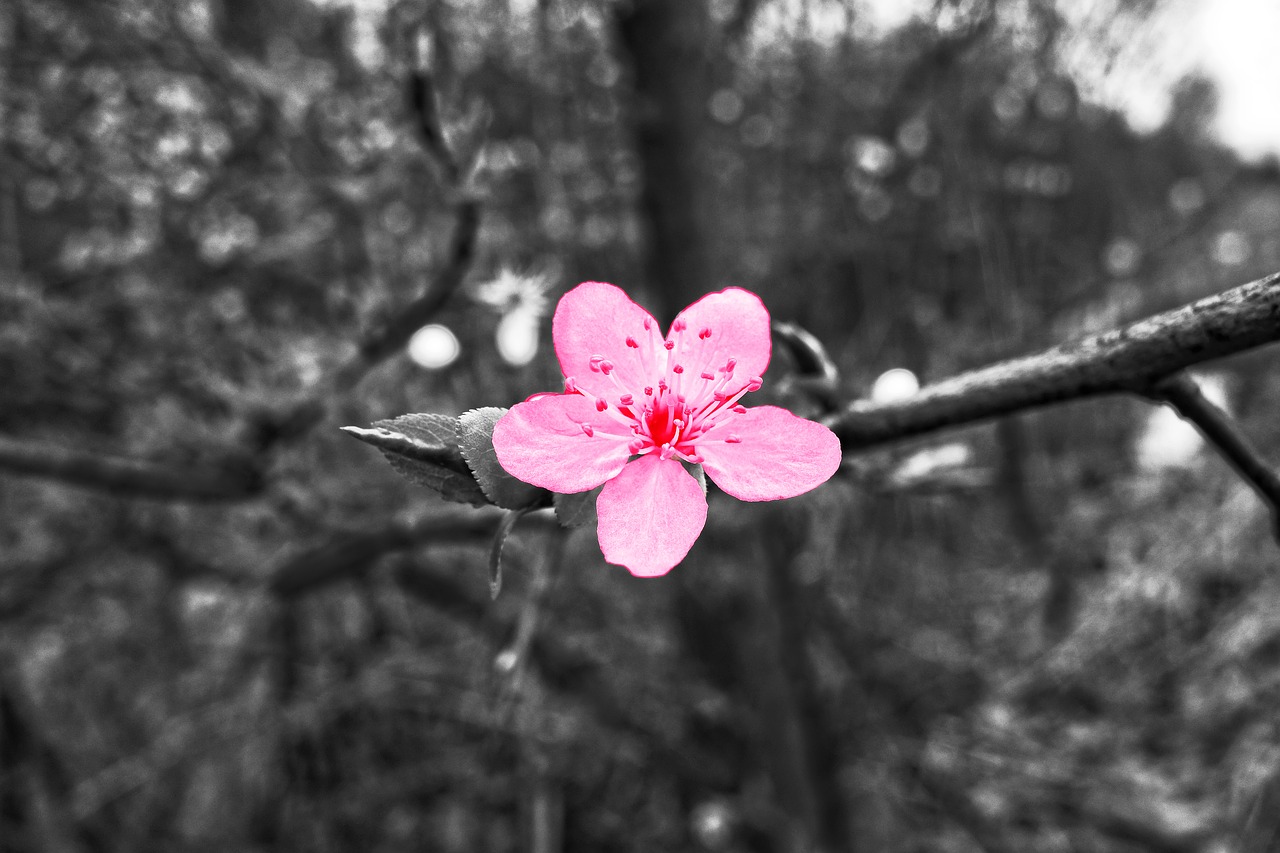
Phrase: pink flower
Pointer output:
(636, 405)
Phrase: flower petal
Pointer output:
(543, 442)
(650, 516)
(730, 324)
(597, 320)
(779, 455)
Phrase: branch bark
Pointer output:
(347, 555)
(236, 478)
(1131, 359)
(1182, 392)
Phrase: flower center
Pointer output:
(693, 392)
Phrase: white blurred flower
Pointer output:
(434, 347)
(896, 384)
(522, 299)
(517, 337)
(512, 291)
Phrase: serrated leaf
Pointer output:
(428, 433)
(475, 441)
(577, 510)
(422, 448)
(449, 484)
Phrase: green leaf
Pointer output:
(475, 440)
(422, 448)
(577, 510)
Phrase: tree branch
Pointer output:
(347, 555)
(1131, 359)
(396, 332)
(1182, 392)
(237, 478)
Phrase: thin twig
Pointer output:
(1130, 359)
(1182, 392)
(395, 333)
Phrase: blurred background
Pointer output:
(1056, 633)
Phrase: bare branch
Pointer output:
(396, 332)
(347, 555)
(1131, 359)
(1182, 392)
(237, 478)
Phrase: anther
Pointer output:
(631, 342)
(677, 369)
(601, 404)
(679, 325)
(732, 439)
(595, 363)
(648, 390)
(740, 409)
(587, 429)
(708, 376)
(626, 400)
(606, 367)
(670, 345)
(705, 333)
(730, 365)
(755, 384)
(635, 446)
(570, 385)
(648, 324)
